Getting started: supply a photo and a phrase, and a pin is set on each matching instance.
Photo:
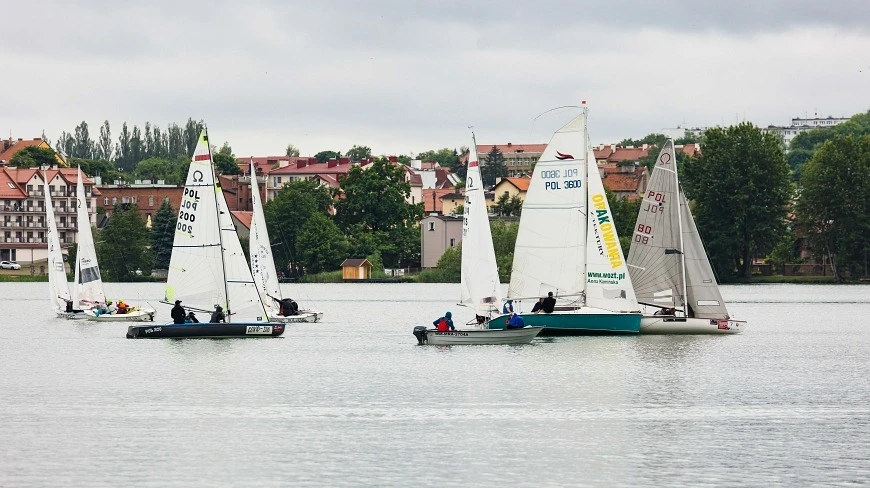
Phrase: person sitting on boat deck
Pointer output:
(177, 313)
(549, 303)
(110, 307)
(288, 307)
(515, 322)
(218, 315)
(508, 307)
(122, 307)
(445, 323)
(100, 309)
(191, 318)
(538, 306)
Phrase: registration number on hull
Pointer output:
(258, 329)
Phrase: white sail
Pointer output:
(608, 284)
(667, 261)
(551, 241)
(260, 249)
(57, 285)
(88, 285)
(243, 298)
(702, 290)
(480, 283)
(202, 272)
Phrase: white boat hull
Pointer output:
(309, 316)
(71, 315)
(663, 324)
(482, 336)
(139, 315)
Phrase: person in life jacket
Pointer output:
(445, 323)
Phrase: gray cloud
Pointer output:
(403, 77)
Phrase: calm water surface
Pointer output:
(354, 402)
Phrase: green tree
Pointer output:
(504, 240)
(834, 203)
(449, 265)
(324, 156)
(97, 167)
(322, 246)
(292, 151)
(124, 246)
(292, 206)
(33, 157)
(508, 205)
(492, 167)
(445, 157)
(104, 147)
(374, 200)
(358, 153)
(226, 164)
(156, 169)
(163, 234)
(741, 188)
(624, 217)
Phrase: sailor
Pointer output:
(445, 323)
(515, 322)
(218, 315)
(508, 307)
(549, 303)
(177, 313)
(191, 318)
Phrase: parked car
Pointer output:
(9, 265)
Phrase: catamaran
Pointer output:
(208, 268)
(668, 264)
(567, 245)
(279, 308)
(480, 282)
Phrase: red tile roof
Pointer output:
(21, 176)
(265, 164)
(621, 182)
(243, 217)
(482, 149)
(521, 184)
(432, 199)
(13, 147)
(306, 167)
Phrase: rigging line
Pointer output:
(532, 125)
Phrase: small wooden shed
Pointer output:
(356, 269)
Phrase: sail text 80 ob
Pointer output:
(207, 266)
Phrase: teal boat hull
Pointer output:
(573, 323)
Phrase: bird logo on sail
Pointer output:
(563, 156)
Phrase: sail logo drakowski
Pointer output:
(606, 234)
(561, 156)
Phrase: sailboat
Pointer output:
(263, 264)
(208, 268)
(88, 293)
(480, 282)
(668, 264)
(58, 287)
(567, 244)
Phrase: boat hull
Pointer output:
(309, 316)
(584, 321)
(658, 324)
(249, 330)
(480, 336)
(134, 316)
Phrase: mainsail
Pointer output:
(208, 266)
(667, 261)
(260, 248)
(88, 285)
(57, 285)
(550, 253)
(480, 284)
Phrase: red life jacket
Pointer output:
(442, 325)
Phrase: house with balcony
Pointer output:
(23, 221)
(10, 147)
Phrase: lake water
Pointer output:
(353, 401)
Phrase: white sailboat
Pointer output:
(480, 282)
(263, 265)
(567, 244)
(58, 288)
(668, 264)
(208, 268)
(88, 291)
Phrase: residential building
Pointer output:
(237, 191)
(22, 210)
(242, 222)
(799, 125)
(519, 158)
(451, 201)
(9, 147)
(146, 195)
(514, 187)
(437, 234)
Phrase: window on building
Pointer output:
(150, 201)
(41, 236)
(114, 200)
(125, 199)
(105, 200)
(431, 225)
(11, 185)
(452, 242)
(29, 188)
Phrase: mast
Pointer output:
(585, 198)
(217, 209)
(680, 230)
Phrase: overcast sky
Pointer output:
(404, 76)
